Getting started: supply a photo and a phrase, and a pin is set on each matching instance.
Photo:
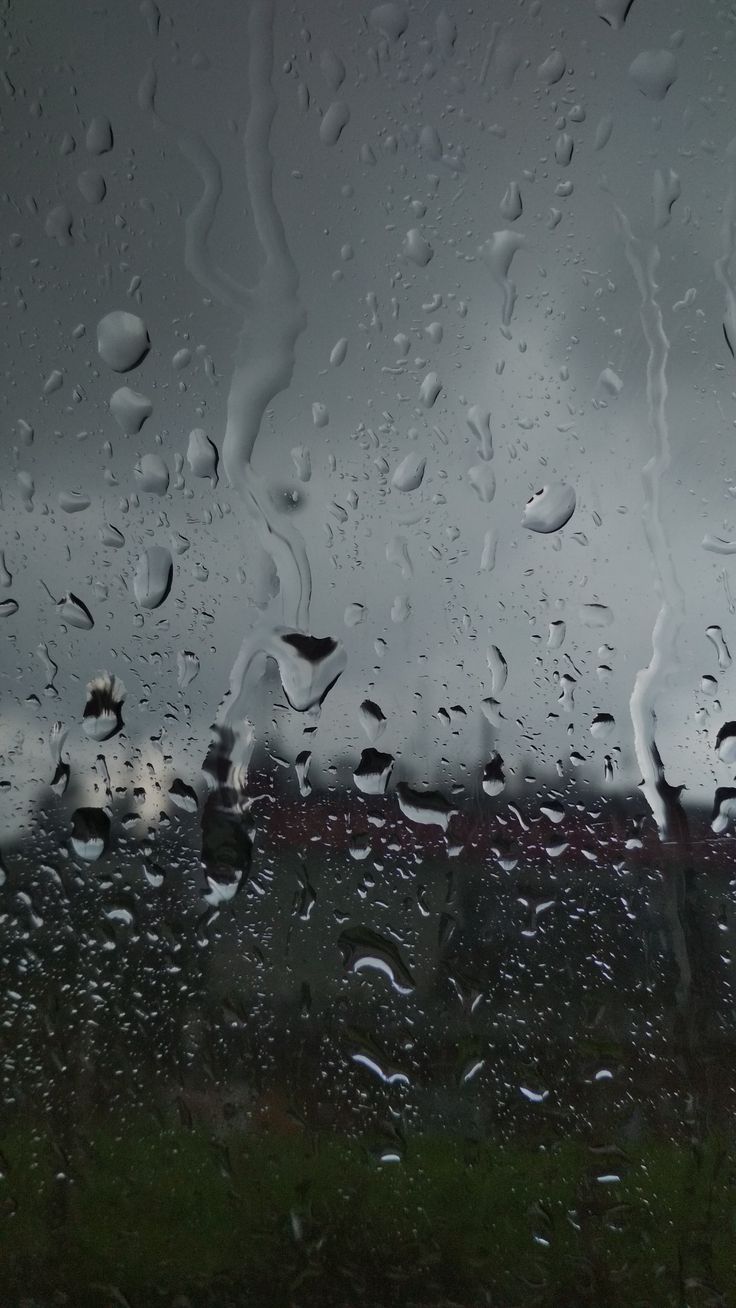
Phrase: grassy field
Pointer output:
(144, 1215)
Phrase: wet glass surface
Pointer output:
(366, 693)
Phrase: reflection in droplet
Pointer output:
(90, 833)
(726, 743)
(103, 716)
(550, 508)
(308, 666)
(425, 807)
(73, 611)
(366, 950)
(373, 772)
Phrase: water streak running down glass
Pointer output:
(367, 713)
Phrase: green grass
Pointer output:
(177, 1211)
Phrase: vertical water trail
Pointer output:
(273, 318)
(264, 360)
(722, 265)
(663, 799)
(199, 220)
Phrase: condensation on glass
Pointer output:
(368, 770)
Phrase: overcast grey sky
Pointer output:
(395, 161)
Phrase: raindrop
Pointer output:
(152, 474)
(391, 20)
(550, 508)
(425, 807)
(567, 692)
(613, 12)
(446, 29)
(595, 615)
(371, 720)
(498, 253)
(724, 809)
(410, 473)
(333, 70)
(103, 716)
(122, 340)
(183, 796)
(90, 833)
(557, 630)
(564, 146)
(365, 950)
(373, 772)
(610, 383)
(430, 390)
(511, 205)
(603, 132)
(653, 72)
(334, 121)
(301, 459)
(602, 726)
(338, 353)
(483, 480)
(498, 668)
(716, 637)
(479, 422)
(130, 410)
(92, 186)
(308, 666)
(494, 778)
(153, 577)
(726, 743)
(74, 612)
(666, 191)
(99, 135)
(397, 552)
(111, 537)
(202, 454)
(73, 501)
(301, 767)
(552, 68)
(188, 668)
(417, 248)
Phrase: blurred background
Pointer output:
(365, 741)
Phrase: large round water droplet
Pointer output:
(550, 508)
(122, 340)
